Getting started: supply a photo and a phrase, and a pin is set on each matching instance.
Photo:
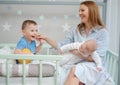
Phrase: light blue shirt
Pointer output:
(23, 43)
(98, 34)
(102, 39)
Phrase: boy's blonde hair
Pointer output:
(27, 22)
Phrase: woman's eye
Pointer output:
(32, 30)
(82, 10)
(36, 30)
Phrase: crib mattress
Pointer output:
(32, 70)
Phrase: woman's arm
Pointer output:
(68, 39)
(49, 41)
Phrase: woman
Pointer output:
(91, 27)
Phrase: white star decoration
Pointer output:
(6, 27)
(65, 27)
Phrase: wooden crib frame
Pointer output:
(111, 58)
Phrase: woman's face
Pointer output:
(84, 13)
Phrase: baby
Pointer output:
(85, 49)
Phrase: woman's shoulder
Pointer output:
(73, 29)
(101, 29)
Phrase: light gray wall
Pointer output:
(119, 42)
(49, 27)
(112, 24)
(57, 18)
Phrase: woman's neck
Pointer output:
(87, 28)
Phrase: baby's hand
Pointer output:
(99, 68)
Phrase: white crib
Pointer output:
(110, 57)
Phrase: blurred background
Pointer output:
(54, 18)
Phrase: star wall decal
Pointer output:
(41, 18)
(6, 27)
(65, 27)
(19, 12)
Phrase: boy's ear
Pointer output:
(23, 32)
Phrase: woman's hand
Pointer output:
(39, 39)
(40, 36)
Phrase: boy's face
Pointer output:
(30, 32)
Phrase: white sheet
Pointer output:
(29, 81)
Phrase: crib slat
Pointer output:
(57, 73)
(7, 72)
(40, 72)
(111, 64)
(114, 67)
(24, 73)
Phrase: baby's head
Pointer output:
(88, 47)
(29, 29)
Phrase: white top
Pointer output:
(76, 45)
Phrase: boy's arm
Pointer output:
(18, 51)
(39, 46)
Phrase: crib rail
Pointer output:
(41, 58)
(24, 57)
(112, 60)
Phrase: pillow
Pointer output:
(32, 70)
(5, 50)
